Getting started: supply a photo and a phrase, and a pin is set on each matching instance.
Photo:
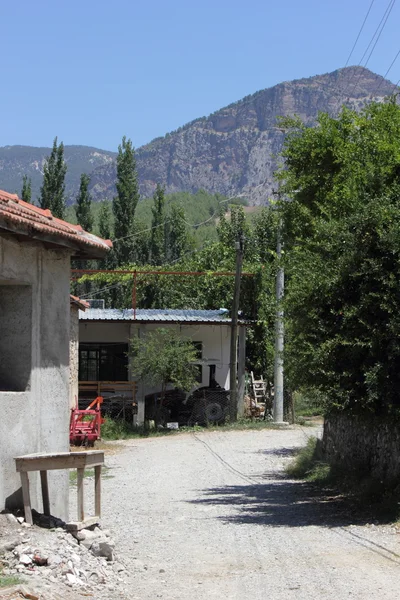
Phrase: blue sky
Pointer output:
(93, 71)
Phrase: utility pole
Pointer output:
(279, 334)
(234, 331)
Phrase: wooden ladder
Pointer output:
(259, 390)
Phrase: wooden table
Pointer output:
(62, 460)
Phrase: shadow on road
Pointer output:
(285, 503)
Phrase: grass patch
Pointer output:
(119, 429)
(363, 491)
(309, 464)
(73, 474)
(8, 580)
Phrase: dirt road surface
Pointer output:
(210, 516)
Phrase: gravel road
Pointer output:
(210, 516)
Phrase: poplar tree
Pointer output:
(105, 218)
(52, 192)
(105, 232)
(83, 206)
(125, 202)
(26, 192)
(157, 239)
(179, 240)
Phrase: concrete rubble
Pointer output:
(52, 563)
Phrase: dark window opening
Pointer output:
(15, 337)
(103, 362)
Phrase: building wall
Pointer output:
(215, 339)
(74, 356)
(34, 405)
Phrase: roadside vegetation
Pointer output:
(119, 429)
(367, 493)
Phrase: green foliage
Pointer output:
(342, 234)
(26, 192)
(52, 192)
(179, 240)
(309, 463)
(83, 204)
(157, 249)
(163, 357)
(210, 291)
(124, 203)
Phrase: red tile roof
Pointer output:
(81, 304)
(17, 216)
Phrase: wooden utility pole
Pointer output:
(234, 332)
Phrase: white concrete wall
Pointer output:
(215, 339)
(74, 357)
(36, 419)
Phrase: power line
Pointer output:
(377, 34)
(359, 33)
(387, 72)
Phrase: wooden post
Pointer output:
(81, 507)
(26, 497)
(45, 493)
(97, 491)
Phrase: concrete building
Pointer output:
(104, 336)
(35, 253)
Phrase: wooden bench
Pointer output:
(62, 460)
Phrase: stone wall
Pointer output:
(367, 445)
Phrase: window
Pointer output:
(15, 337)
(103, 362)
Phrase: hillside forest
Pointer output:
(338, 213)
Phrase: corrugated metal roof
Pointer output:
(156, 315)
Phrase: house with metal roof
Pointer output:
(35, 253)
(104, 336)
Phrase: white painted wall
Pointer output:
(214, 337)
(36, 418)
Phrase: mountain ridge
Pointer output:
(233, 150)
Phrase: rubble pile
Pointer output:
(57, 564)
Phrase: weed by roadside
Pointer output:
(368, 493)
(8, 580)
(73, 475)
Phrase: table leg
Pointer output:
(45, 492)
(26, 497)
(81, 508)
(97, 491)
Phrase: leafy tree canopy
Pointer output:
(52, 192)
(342, 234)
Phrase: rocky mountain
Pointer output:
(231, 152)
(16, 161)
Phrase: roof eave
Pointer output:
(81, 250)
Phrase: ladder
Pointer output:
(258, 391)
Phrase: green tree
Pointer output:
(83, 204)
(342, 239)
(53, 188)
(26, 192)
(157, 250)
(125, 202)
(163, 357)
(179, 240)
(105, 220)
(105, 232)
